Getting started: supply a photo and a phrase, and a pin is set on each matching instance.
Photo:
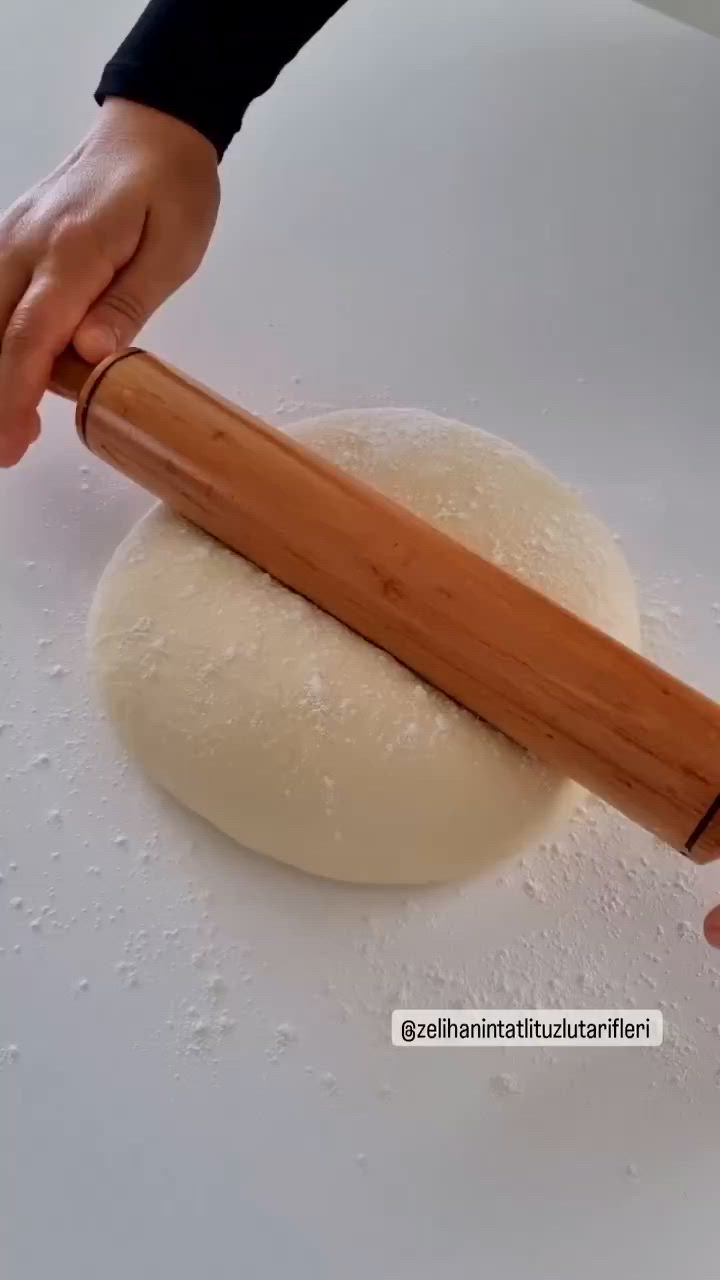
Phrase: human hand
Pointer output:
(92, 251)
(712, 927)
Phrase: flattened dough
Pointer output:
(297, 737)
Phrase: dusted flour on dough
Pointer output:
(305, 742)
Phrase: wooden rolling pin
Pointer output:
(580, 701)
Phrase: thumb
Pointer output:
(125, 306)
(109, 326)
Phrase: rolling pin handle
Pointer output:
(69, 375)
(74, 379)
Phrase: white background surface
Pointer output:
(509, 213)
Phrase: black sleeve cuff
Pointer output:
(204, 61)
(217, 120)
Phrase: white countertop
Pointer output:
(510, 214)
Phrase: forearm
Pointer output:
(204, 61)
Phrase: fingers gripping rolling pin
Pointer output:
(586, 705)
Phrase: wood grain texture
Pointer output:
(579, 700)
(70, 373)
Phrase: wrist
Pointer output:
(136, 121)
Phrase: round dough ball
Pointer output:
(300, 739)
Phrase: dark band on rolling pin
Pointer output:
(94, 382)
(703, 825)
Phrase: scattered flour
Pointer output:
(505, 1083)
(285, 1036)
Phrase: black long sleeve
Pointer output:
(204, 61)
